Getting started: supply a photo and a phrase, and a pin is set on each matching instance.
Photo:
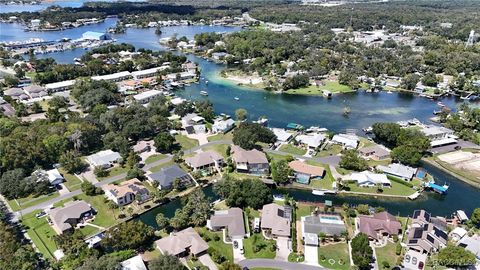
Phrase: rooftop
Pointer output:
(253, 156)
(71, 210)
(304, 168)
(277, 218)
(203, 159)
(182, 241)
(232, 219)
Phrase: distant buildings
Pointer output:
(276, 220)
(67, 217)
(90, 35)
(249, 161)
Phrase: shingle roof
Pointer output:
(304, 168)
(383, 221)
(248, 156)
(177, 243)
(277, 218)
(71, 210)
(167, 175)
(203, 158)
(131, 186)
(232, 219)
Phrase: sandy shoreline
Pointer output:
(243, 79)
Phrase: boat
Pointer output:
(206, 82)
(236, 98)
(203, 93)
(368, 130)
(440, 104)
(318, 192)
(437, 188)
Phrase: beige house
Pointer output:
(205, 161)
(249, 161)
(182, 243)
(67, 217)
(276, 220)
(231, 220)
(375, 152)
(126, 192)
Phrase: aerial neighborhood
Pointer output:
(239, 135)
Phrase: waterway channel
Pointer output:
(366, 108)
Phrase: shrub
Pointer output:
(121, 216)
(322, 257)
(400, 181)
(216, 237)
(398, 249)
(385, 265)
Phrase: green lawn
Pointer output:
(163, 165)
(364, 142)
(396, 189)
(333, 87)
(41, 233)
(71, 181)
(264, 244)
(324, 183)
(278, 157)
(221, 137)
(386, 253)
(219, 148)
(31, 201)
(334, 256)
(303, 210)
(185, 142)
(291, 149)
(113, 172)
(222, 248)
(154, 158)
(331, 150)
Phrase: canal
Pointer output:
(366, 108)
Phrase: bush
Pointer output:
(398, 249)
(322, 257)
(400, 181)
(216, 237)
(100, 172)
(120, 216)
(385, 265)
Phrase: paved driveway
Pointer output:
(283, 249)
(208, 262)
(311, 255)
(268, 263)
(237, 252)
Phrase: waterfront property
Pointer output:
(59, 86)
(126, 192)
(330, 224)
(207, 161)
(304, 172)
(311, 141)
(438, 135)
(147, 96)
(472, 244)
(369, 179)
(347, 141)
(166, 177)
(66, 218)
(427, 234)
(182, 243)
(375, 152)
(276, 220)
(249, 161)
(231, 220)
(91, 35)
(379, 226)
(223, 125)
(398, 170)
(281, 134)
(104, 159)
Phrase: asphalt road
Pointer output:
(270, 263)
(109, 180)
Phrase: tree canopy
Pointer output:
(247, 135)
(246, 193)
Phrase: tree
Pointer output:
(248, 134)
(100, 171)
(296, 82)
(128, 235)
(132, 159)
(475, 218)
(162, 221)
(90, 189)
(241, 114)
(386, 133)
(71, 161)
(363, 209)
(410, 81)
(430, 79)
(352, 161)
(455, 256)
(249, 192)
(362, 253)
(166, 262)
(136, 172)
(164, 142)
(58, 102)
(16, 253)
(405, 154)
(281, 172)
(178, 185)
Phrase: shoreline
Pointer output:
(445, 170)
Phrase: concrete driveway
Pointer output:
(208, 262)
(311, 255)
(283, 249)
(237, 252)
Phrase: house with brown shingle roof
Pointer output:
(249, 161)
(182, 243)
(305, 172)
(231, 220)
(126, 192)
(379, 225)
(276, 219)
(67, 217)
(205, 161)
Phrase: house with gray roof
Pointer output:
(426, 234)
(249, 161)
(35, 91)
(104, 159)
(375, 152)
(231, 220)
(16, 93)
(398, 170)
(182, 243)
(472, 244)
(67, 217)
(276, 219)
(329, 224)
(205, 161)
(166, 176)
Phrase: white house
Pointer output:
(147, 96)
(312, 141)
(398, 170)
(104, 159)
(114, 77)
(54, 177)
(282, 134)
(126, 192)
(59, 86)
(369, 179)
(223, 125)
(346, 140)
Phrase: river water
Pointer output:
(366, 108)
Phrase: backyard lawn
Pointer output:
(114, 172)
(278, 157)
(154, 158)
(331, 150)
(71, 181)
(331, 86)
(219, 148)
(334, 256)
(225, 249)
(185, 142)
(221, 137)
(291, 149)
(41, 233)
(303, 210)
(263, 245)
(324, 183)
(105, 216)
(386, 253)
(396, 189)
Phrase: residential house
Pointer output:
(166, 176)
(312, 141)
(146, 73)
(134, 263)
(16, 93)
(182, 243)
(426, 234)
(6, 109)
(276, 220)
(104, 159)
(328, 224)
(398, 170)
(457, 234)
(249, 161)
(114, 77)
(369, 179)
(126, 192)
(439, 135)
(379, 225)
(282, 134)
(472, 244)
(147, 96)
(35, 91)
(304, 172)
(347, 141)
(375, 152)
(67, 217)
(192, 119)
(219, 55)
(142, 146)
(231, 220)
(223, 125)
(205, 161)
(461, 216)
(54, 177)
(59, 86)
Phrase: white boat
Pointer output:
(318, 192)
(236, 98)
(203, 93)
